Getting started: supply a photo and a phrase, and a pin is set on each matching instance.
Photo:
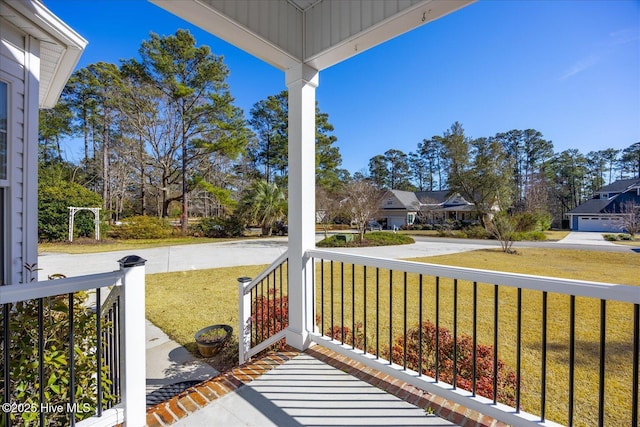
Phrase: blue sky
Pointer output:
(569, 69)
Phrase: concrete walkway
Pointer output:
(170, 363)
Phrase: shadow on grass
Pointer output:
(618, 353)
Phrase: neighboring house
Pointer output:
(440, 206)
(606, 210)
(38, 53)
(401, 208)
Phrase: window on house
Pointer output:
(3, 131)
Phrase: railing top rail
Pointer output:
(606, 291)
(275, 264)
(49, 288)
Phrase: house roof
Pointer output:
(407, 198)
(318, 33)
(60, 46)
(613, 204)
(432, 197)
(619, 186)
(592, 206)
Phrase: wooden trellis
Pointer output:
(96, 221)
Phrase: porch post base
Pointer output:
(299, 340)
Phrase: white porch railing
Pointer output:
(262, 319)
(365, 308)
(126, 363)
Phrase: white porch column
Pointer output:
(302, 81)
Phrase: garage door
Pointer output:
(607, 224)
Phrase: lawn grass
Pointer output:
(182, 303)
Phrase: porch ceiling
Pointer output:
(319, 33)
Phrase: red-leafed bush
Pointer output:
(270, 316)
(347, 336)
(506, 383)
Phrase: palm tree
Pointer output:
(264, 204)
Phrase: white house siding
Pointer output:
(19, 67)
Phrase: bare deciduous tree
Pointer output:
(362, 200)
(327, 208)
(631, 217)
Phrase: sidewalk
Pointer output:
(170, 367)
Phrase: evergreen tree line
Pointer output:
(517, 169)
(162, 135)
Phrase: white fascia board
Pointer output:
(38, 21)
(405, 21)
(229, 30)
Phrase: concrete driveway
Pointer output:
(586, 238)
(227, 254)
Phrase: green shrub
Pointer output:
(218, 227)
(476, 232)
(529, 235)
(142, 227)
(55, 196)
(23, 366)
(617, 237)
(532, 221)
(378, 238)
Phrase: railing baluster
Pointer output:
(72, 374)
(254, 314)
(636, 363)
(322, 329)
(364, 324)
(268, 320)
(353, 306)
(437, 356)
(390, 316)
(99, 353)
(474, 367)
(404, 357)
(377, 313)
(342, 302)
(116, 331)
(543, 376)
(495, 342)
(331, 330)
(420, 329)
(6, 374)
(572, 355)
(41, 358)
(518, 350)
(455, 333)
(603, 338)
(314, 309)
(280, 268)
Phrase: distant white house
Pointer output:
(38, 53)
(401, 208)
(605, 211)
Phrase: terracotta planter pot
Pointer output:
(212, 338)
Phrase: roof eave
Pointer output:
(63, 45)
